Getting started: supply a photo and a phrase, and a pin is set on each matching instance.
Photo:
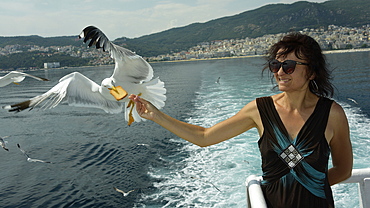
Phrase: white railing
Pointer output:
(362, 177)
(255, 198)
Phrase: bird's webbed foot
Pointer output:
(131, 104)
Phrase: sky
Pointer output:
(116, 18)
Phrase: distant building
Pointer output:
(52, 65)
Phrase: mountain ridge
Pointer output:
(268, 19)
(255, 23)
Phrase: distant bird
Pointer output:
(207, 182)
(2, 142)
(131, 75)
(353, 100)
(16, 77)
(147, 145)
(30, 159)
(218, 80)
(122, 192)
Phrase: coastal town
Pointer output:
(330, 38)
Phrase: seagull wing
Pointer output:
(15, 76)
(131, 191)
(77, 90)
(24, 152)
(37, 160)
(119, 190)
(129, 67)
(2, 142)
(353, 100)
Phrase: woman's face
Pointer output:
(296, 81)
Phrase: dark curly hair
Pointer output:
(306, 48)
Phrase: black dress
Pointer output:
(295, 171)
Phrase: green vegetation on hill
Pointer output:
(270, 19)
(40, 41)
(35, 59)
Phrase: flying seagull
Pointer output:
(28, 157)
(207, 182)
(122, 192)
(218, 80)
(131, 75)
(16, 77)
(2, 143)
(353, 100)
(142, 144)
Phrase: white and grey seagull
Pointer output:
(131, 75)
(16, 77)
(3, 142)
(218, 80)
(31, 159)
(123, 192)
(207, 182)
(353, 100)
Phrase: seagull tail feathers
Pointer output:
(155, 93)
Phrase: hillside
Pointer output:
(269, 19)
(40, 41)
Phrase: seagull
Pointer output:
(147, 145)
(16, 77)
(353, 100)
(207, 182)
(28, 157)
(122, 192)
(2, 142)
(218, 80)
(131, 75)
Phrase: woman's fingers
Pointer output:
(142, 105)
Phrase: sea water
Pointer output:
(93, 151)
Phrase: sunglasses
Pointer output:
(288, 65)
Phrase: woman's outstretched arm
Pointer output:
(237, 124)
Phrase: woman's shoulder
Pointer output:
(251, 108)
(337, 118)
(336, 110)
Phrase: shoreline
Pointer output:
(347, 50)
(248, 56)
(204, 59)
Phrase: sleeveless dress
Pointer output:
(295, 171)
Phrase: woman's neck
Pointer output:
(297, 100)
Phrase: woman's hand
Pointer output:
(144, 108)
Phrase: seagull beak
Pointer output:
(16, 83)
(113, 88)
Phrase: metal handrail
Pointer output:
(255, 198)
(362, 177)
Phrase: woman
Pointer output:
(298, 128)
